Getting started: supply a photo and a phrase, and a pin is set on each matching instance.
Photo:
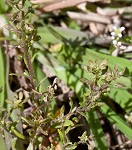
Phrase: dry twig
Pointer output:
(92, 17)
(60, 4)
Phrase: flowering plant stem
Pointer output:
(26, 52)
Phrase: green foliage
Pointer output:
(2, 78)
(3, 6)
(127, 39)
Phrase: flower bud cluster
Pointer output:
(101, 77)
(116, 35)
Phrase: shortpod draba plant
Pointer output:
(43, 128)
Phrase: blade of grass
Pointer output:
(127, 1)
(14, 116)
(3, 6)
(2, 78)
(41, 78)
(96, 129)
(2, 143)
(51, 34)
(3, 95)
(116, 120)
(122, 97)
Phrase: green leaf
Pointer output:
(2, 143)
(122, 97)
(68, 123)
(41, 78)
(30, 146)
(116, 120)
(8, 101)
(127, 39)
(17, 134)
(72, 146)
(14, 116)
(3, 6)
(61, 135)
(2, 77)
(96, 129)
(127, 1)
(52, 34)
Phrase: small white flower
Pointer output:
(114, 27)
(112, 37)
(116, 35)
(2, 22)
(119, 43)
(122, 47)
(45, 99)
(55, 81)
(122, 29)
(120, 35)
(126, 116)
(112, 33)
(29, 28)
(55, 87)
(85, 68)
(114, 42)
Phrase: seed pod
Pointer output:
(121, 73)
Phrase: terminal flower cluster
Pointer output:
(116, 35)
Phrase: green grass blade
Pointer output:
(14, 116)
(51, 34)
(3, 6)
(2, 77)
(41, 78)
(2, 143)
(96, 129)
(127, 1)
(116, 120)
(122, 97)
